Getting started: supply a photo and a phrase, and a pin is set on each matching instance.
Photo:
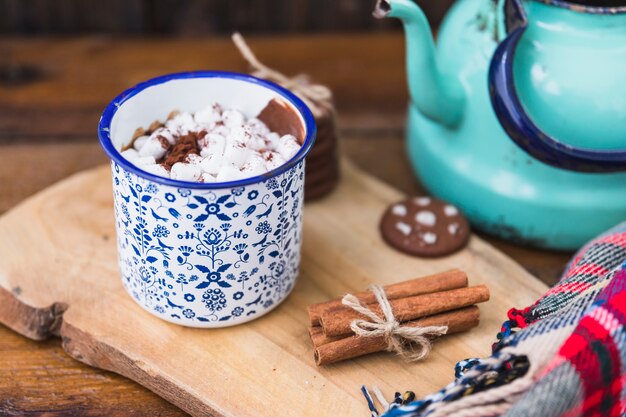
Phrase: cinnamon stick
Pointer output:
(319, 338)
(354, 346)
(337, 322)
(443, 281)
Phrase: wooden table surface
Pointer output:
(52, 92)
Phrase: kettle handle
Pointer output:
(521, 128)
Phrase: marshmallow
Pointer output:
(130, 155)
(229, 172)
(185, 172)
(232, 118)
(208, 116)
(156, 169)
(271, 140)
(255, 166)
(182, 123)
(164, 133)
(273, 160)
(257, 127)
(143, 161)
(154, 147)
(139, 142)
(212, 164)
(244, 134)
(236, 153)
(288, 146)
(221, 130)
(256, 143)
(193, 159)
(213, 144)
(239, 134)
(207, 177)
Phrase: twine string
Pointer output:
(316, 96)
(412, 343)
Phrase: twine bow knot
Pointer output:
(410, 342)
(316, 96)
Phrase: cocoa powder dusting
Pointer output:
(185, 146)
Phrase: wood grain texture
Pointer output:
(194, 17)
(65, 85)
(40, 379)
(70, 226)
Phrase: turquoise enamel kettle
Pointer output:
(518, 115)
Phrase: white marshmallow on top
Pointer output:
(239, 134)
(271, 140)
(193, 159)
(156, 169)
(212, 164)
(255, 166)
(182, 123)
(257, 127)
(185, 172)
(207, 177)
(164, 133)
(130, 154)
(221, 130)
(233, 118)
(212, 144)
(248, 137)
(140, 141)
(256, 143)
(144, 161)
(273, 160)
(208, 116)
(229, 172)
(154, 148)
(288, 146)
(236, 153)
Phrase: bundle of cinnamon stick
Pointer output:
(442, 299)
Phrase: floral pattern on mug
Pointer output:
(209, 258)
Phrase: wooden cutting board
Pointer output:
(59, 277)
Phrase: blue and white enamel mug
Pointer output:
(205, 254)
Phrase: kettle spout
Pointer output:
(439, 97)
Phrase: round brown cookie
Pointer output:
(322, 164)
(322, 147)
(318, 191)
(318, 185)
(425, 226)
(321, 184)
(322, 169)
(331, 179)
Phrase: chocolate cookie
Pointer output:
(317, 191)
(424, 226)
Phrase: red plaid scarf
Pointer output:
(564, 356)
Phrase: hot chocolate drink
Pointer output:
(216, 144)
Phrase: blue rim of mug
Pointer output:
(583, 8)
(109, 112)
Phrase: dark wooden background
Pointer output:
(196, 17)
